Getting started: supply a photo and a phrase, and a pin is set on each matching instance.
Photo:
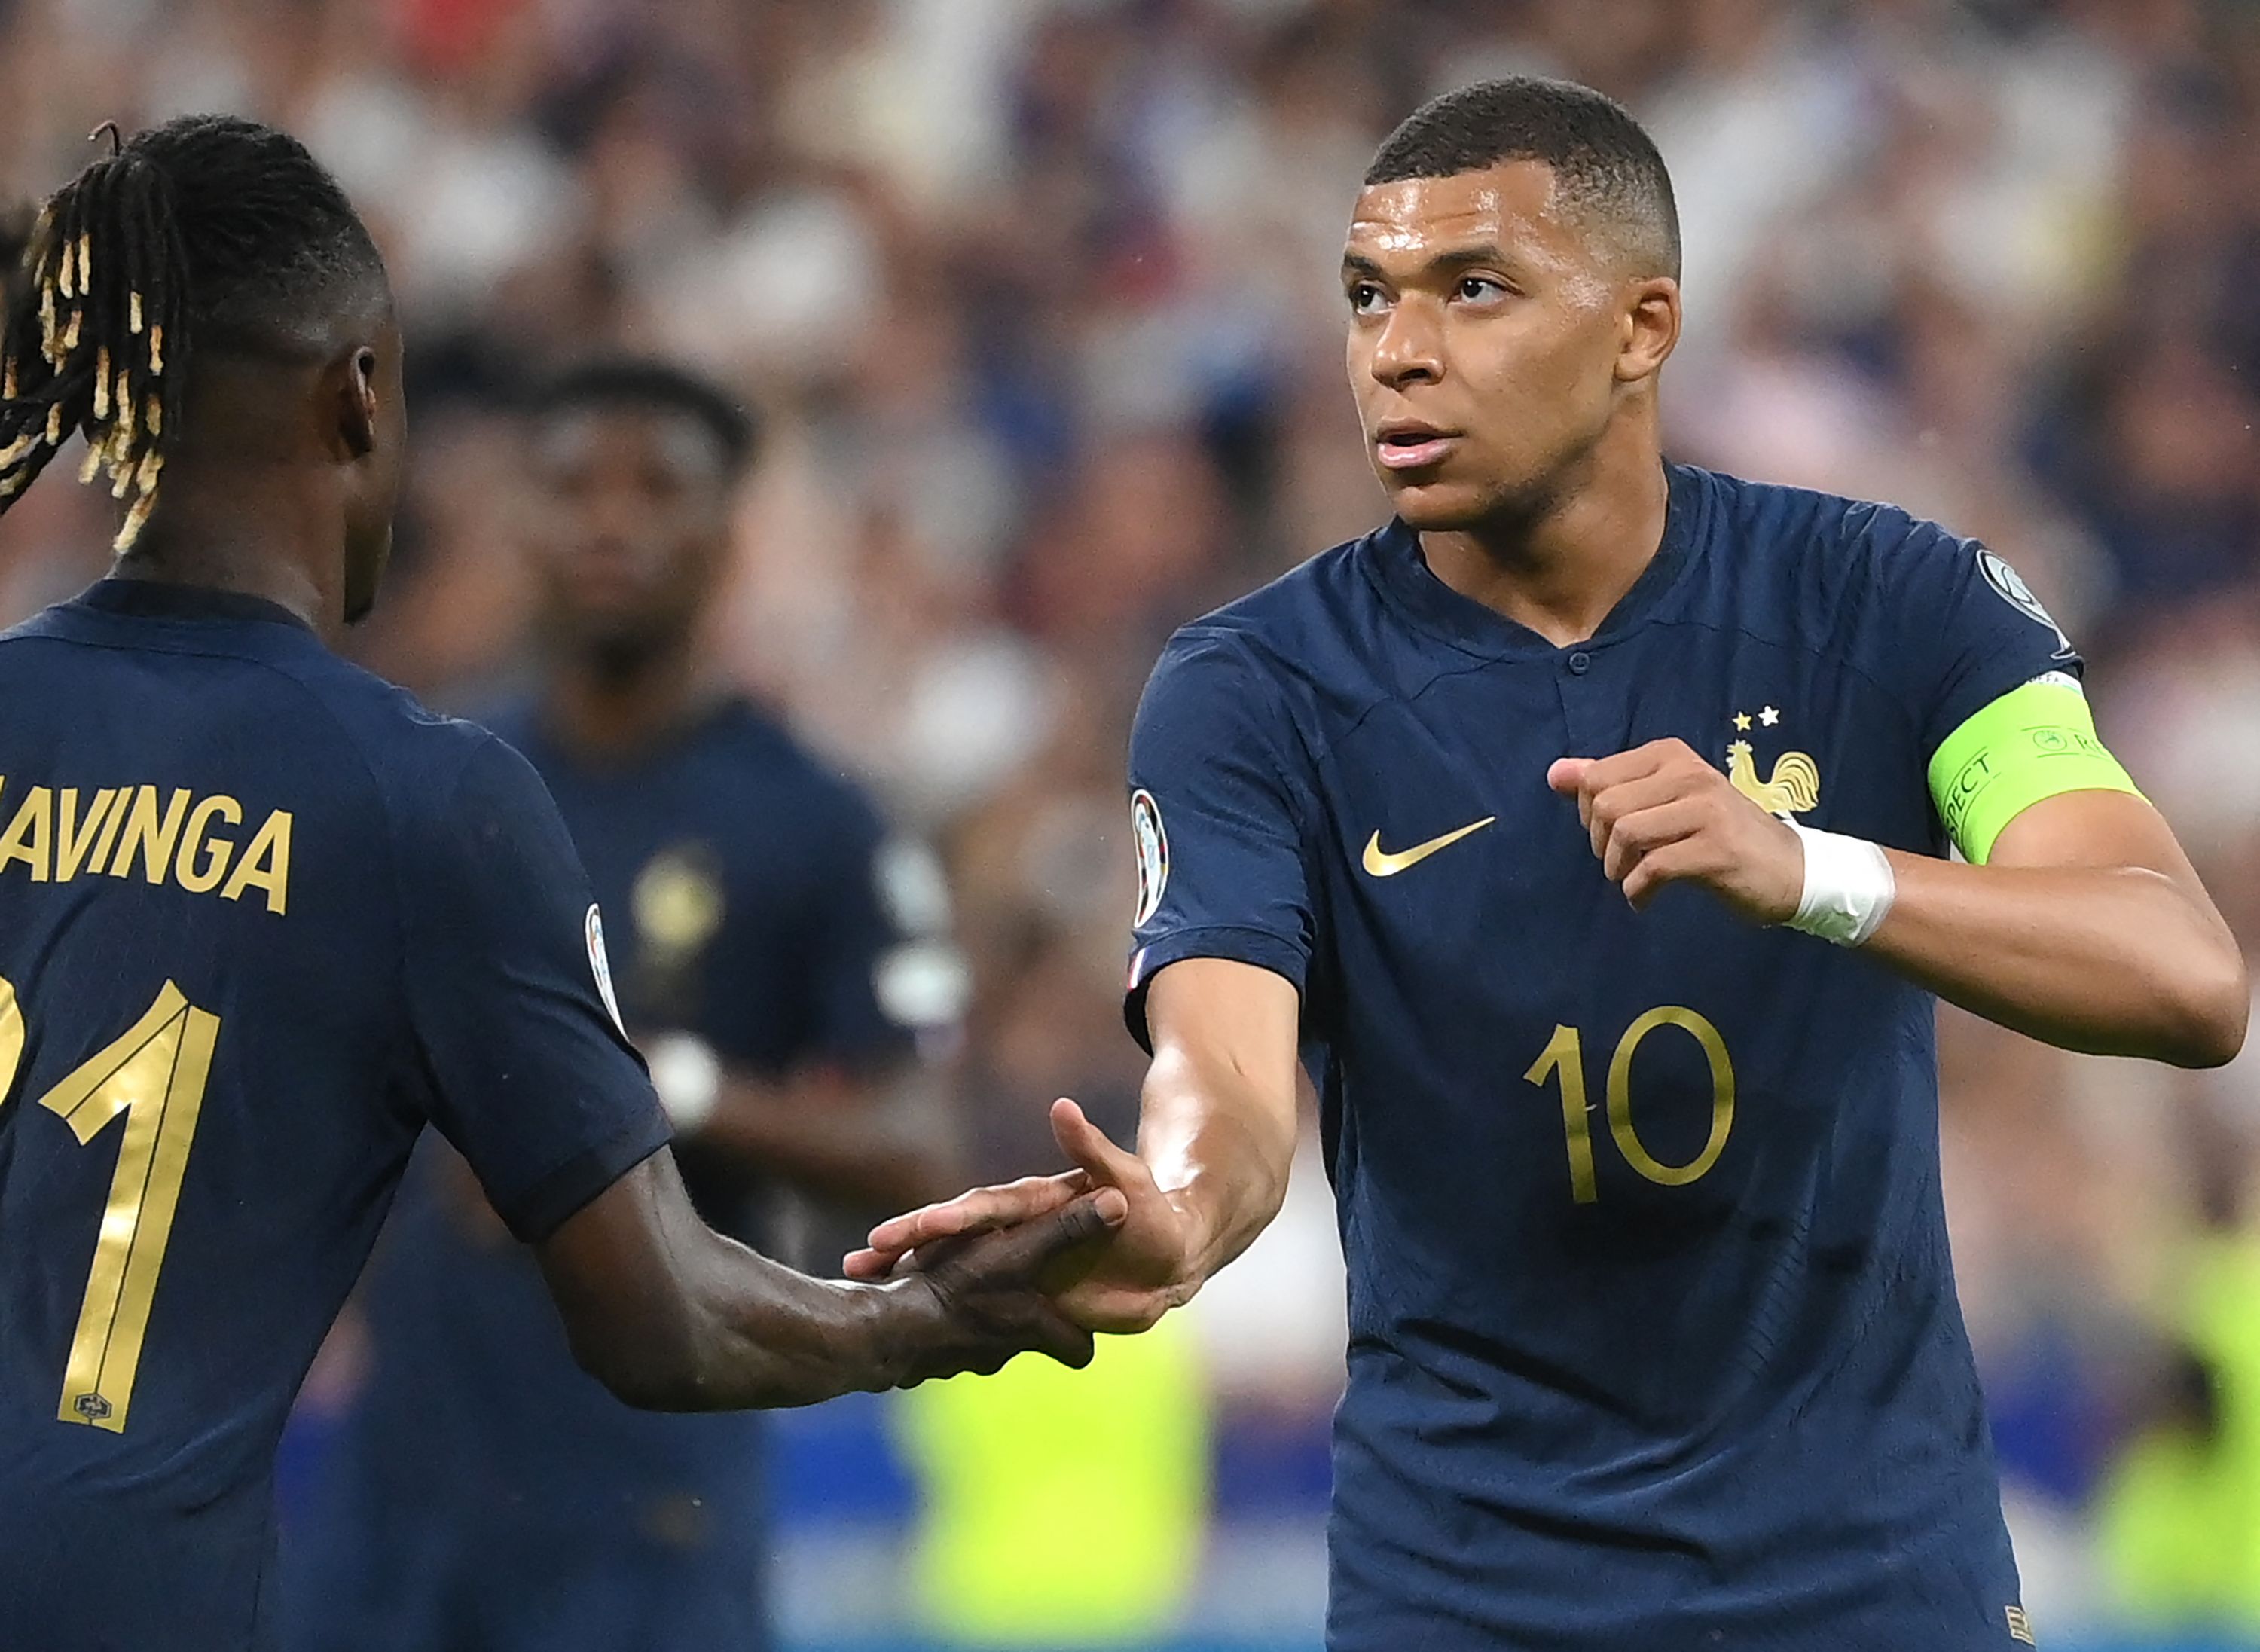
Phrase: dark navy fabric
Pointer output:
(419, 952)
(739, 883)
(1604, 1396)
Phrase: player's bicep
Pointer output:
(2033, 744)
(2096, 829)
(1231, 1027)
(611, 1268)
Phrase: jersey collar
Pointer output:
(1411, 587)
(156, 599)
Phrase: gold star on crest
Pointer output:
(1742, 722)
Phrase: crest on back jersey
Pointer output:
(1151, 843)
(2010, 587)
(601, 966)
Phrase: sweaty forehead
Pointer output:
(1514, 205)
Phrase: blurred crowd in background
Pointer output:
(1036, 301)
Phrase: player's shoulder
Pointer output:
(1311, 631)
(1844, 575)
(435, 777)
(411, 752)
(1809, 529)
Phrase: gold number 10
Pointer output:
(1565, 1054)
(154, 1074)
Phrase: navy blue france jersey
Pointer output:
(747, 893)
(1654, 1340)
(261, 918)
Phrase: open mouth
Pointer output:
(1406, 445)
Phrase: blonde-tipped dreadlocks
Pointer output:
(208, 229)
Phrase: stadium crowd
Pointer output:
(1035, 299)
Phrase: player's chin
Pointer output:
(1436, 503)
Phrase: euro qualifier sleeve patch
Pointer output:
(601, 966)
(1152, 846)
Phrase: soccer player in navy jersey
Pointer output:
(1586, 829)
(262, 919)
(778, 956)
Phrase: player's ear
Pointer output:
(353, 401)
(1650, 329)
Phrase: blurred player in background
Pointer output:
(779, 956)
(1653, 1334)
(262, 917)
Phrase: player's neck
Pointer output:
(611, 709)
(1561, 569)
(245, 549)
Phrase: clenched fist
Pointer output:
(1659, 814)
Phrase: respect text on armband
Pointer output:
(2041, 743)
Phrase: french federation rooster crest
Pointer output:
(1794, 788)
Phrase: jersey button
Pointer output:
(1580, 662)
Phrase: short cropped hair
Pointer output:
(644, 384)
(1607, 167)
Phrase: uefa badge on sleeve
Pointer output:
(2010, 587)
(1152, 845)
(601, 966)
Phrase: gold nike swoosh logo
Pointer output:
(1383, 864)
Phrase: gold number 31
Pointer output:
(1565, 1053)
(154, 1074)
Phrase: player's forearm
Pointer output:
(1221, 1149)
(2116, 961)
(760, 1334)
(672, 1316)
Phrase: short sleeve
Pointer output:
(509, 992)
(1219, 792)
(1971, 631)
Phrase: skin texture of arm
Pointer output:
(2086, 927)
(671, 1316)
(1216, 1140)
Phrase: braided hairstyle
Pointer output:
(208, 233)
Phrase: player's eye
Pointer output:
(1366, 299)
(1481, 289)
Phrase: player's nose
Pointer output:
(1409, 348)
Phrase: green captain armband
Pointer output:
(2035, 742)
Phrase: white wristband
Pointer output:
(1848, 887)
(688, 1078)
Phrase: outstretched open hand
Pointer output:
(1123, 1283)
(987, 1296)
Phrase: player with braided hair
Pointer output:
(15, 236)
(202, 228)
(262, 917)
(208, 247)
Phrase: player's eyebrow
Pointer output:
(1357, 266)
